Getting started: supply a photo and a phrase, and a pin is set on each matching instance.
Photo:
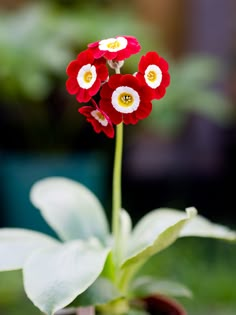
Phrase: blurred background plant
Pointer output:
(185, 150)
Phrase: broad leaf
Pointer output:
(55, 276)
(102, 291)
(202, 227)
(16, 245)
(70, 209)
(153, 233)
(146, 286)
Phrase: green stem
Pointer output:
(116, 198)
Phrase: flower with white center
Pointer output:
(153, 76)
(113, 44)
(99, 116)
(115, 48)
(98, 119)
(86, 76)
(153, 71)
(125, 99)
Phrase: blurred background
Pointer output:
(183, 155)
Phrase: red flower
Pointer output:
(118, 48)
(99, 120)
(153, 71)
(85, 76)
(125, 99)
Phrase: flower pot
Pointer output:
(154, 305)
(162, 305)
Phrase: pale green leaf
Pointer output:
(155, 231)
(55, 276)
(72, 210)
(102, 291)
(125, 232)
(202, 227)
(16, 245)
(146, 286)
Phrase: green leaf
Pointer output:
(72, 210)
(153, 233)
(146, 286)
(55, 276)
(125, 232)
(202, 227)
(156, 231)
(16, 245)
(102, 291)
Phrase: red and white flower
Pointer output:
(125, 99)
(153, 71)
(85, 76)
(117, 48)
(98, 118)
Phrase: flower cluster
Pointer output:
(122, 97)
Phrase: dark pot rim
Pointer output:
(163, 305)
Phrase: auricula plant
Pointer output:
(89, 267)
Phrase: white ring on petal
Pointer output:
(99, 117)
(81, 74)
(158, 74)
(126, 109)
(113, 44)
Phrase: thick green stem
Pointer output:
(116, 198)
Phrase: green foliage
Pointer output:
(71, 209)
(55, 274)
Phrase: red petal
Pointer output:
(102, 72)
(85, 57)
(73, 68)
(106, 91)
(72, 86)
(143, 110)
(94, 88)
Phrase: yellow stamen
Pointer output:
(152, 76)
(88, 76)
(125, 100)
(100, 116)
(114, 45)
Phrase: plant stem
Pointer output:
(116, 198)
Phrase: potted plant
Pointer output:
(87, 268)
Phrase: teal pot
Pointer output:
(20, 171)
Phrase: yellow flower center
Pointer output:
(99, 117)
(113, 45)
(125, 100)
(88, 76)
(152, 76)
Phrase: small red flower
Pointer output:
(85, 76)
(125, 99)
(118, 48)
(99, 119)
(153, 71)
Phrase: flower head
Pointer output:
(117, 48)
(85, 76)
(153, 71)
(125, 99)
(99, 119)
